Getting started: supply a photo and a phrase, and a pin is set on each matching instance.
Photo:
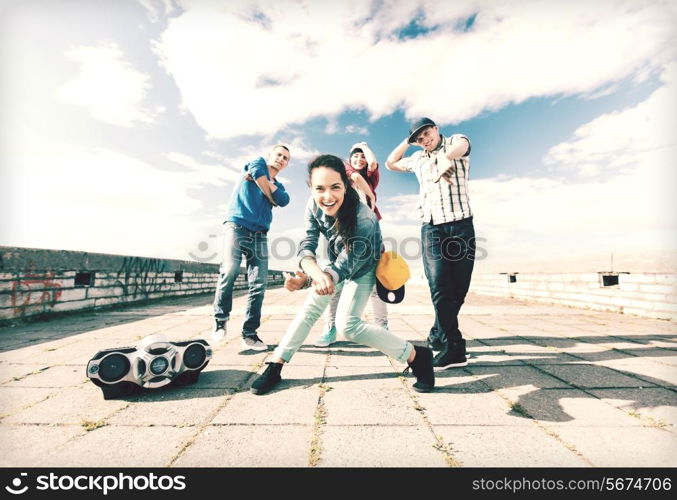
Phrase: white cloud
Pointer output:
(626, 140)
(300, 152)
(202, 173)
(292, 61)
(356, 129)
(158, 8)
(108, 86)
(332, 126)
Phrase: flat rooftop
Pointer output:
(547, 386)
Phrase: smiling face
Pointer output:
(358, 160)
(428, 138)
(277, 160)
(328, 190)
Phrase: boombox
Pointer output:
(154, 363)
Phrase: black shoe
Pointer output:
(451, 357)
(268, 379)
(253, 342)
(440, 345)
(422, 366)
(219, 331)
(436, 345)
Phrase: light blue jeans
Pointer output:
(349, 323)
(378, 308)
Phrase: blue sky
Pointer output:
(125, 123)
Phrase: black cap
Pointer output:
(417, 126)
(389, 296)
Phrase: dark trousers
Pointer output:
(448, 260)
(240, 241)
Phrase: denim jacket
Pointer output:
(365, 248)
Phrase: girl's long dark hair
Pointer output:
(346, 218)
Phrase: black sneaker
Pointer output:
(253, 342)
(219, 331)
(422, 366)
(436, 345)
(452, 357)
(268, 379)
(441, 345)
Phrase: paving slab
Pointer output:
(295, 405)
(70, 406)
(570, 407)
(14, 399)
(589, 376)
(652, 370)
(379, 446)
(610, 446)
(660, 405)
(10, 372)
(170, 407)
(249, 446)
(345, 353)
(375, 378)
(513, 376)
(511, 446)
(28, 445)
(367, 407)
(470, 408)
(225, 377)
(54, 376)
(116, 446)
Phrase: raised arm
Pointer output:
(372, 162)
(394, 161)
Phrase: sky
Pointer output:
(126, 123)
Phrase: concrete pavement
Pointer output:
(547, 386)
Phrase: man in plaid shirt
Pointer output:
(447, 232)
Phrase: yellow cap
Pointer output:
(392, 271)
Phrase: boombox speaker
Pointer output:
(154, 363)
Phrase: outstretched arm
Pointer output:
(293, 282)
(323, 283)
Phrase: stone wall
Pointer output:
(650, 295)
(37, 282)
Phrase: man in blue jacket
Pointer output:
(247, 223)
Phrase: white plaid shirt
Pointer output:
(446, 200)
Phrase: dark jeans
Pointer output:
(448, 260)
(240, 241)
